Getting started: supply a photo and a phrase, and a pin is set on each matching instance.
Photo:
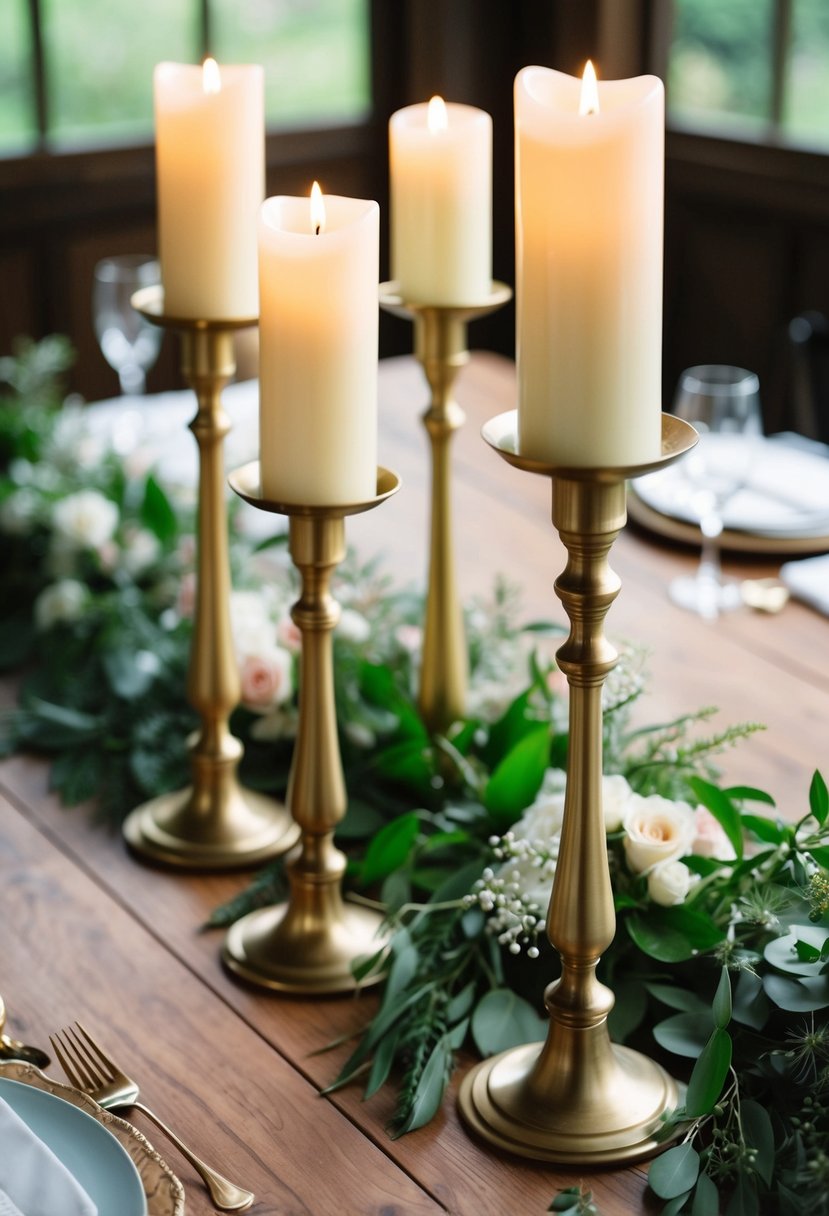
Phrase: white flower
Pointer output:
(250, 621)
(62, 601)
(19, 511)
(140, 549)
(353, 627)
(669, 883)
(656, 830)
(267, 679)
(86, 519)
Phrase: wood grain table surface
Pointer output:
(88, 933)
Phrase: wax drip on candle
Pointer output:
(589, 100)
(211, 80)
(436, 117)
(317, 210)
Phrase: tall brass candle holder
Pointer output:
(578, 1098)
(441, 347)
(308, 945)
(215, 823)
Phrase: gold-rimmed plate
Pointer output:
(164, 1192)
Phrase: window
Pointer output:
(79, 74)
(751, 68)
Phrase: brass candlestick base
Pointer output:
(441, 346)
(309, 944)
(215, 823)
(577, 1098)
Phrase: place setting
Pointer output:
(66, 1151)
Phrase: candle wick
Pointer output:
(317, 229)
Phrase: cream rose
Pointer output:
(656, 830)
(616, 794)
(86, 519)
(669, 883)
(266, 679)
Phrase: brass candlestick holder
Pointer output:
(215, 823)
(308, 945)
(441, 347)
(577, 1098)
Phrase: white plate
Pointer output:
(786, 497)
(102, 1167)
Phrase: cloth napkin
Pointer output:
(809, 581)
(32, 1178)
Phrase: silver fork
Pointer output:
(88, 1068)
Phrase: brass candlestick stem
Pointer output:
(308, 945)
(577, 1098)
(215, 823)
(441, 347)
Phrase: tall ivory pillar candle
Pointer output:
(318, 279)
(441, 203)
(210, 163)
(589, 206)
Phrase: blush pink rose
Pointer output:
(266, 679)
(710, 839)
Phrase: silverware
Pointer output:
(89, 1069)
(13, 1049)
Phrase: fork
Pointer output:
(88, 1068)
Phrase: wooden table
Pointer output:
(89, 933)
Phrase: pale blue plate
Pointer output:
(101, 1165)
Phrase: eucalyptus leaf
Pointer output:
(430, 1089)
(709, 1074)
(678, 998)
(758, 1133)
(751, 1005)
(782, 952)
(502, 1019)
(802, 995)
(819, 798)
(674, 1206)
(722, 1001)
(706, 1197)
(674, 1172)
(684, 1034)
(461, 1003)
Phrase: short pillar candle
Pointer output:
(319, 271)
(210, 164)
(441, 203)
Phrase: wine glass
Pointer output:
(722, 403)
(130, 344)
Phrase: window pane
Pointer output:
(806, 105)
(18, 128)
(100, 57)
(720, 66)
(315, 54)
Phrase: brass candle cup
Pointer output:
(441, 347)
(309, 944)
(577, 1098)
(215, 823)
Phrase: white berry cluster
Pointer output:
(514, 905)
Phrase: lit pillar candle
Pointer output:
(589, 205)
(318, 278)
(441, 203)
(210, 163)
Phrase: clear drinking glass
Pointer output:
(723, 404)
(130, 344)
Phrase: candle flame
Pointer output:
(589, 101)
(436, 117)
(210, 78)
(317, 210)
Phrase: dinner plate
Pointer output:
(161, 1193)
(782, 509)
(95, 1158)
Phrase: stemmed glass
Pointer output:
(723, 404)
(129, 343)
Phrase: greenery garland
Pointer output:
(721, 955)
